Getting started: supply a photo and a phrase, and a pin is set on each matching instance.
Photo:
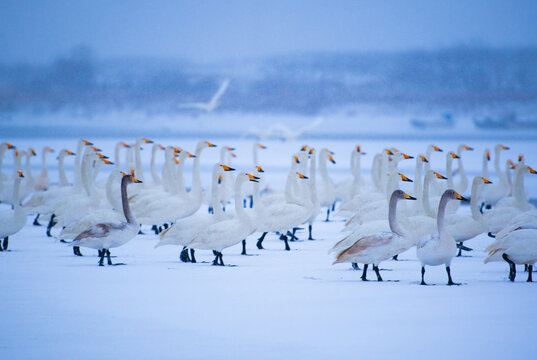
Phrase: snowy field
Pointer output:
(272, 304)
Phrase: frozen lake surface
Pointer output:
(272, 304)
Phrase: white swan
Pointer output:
(326, 190)
(439, 249)
(42, 182)
(212, 104)
(462, 184)
(314, 197)
(184, 230)
(104, 236)
(492, 194)
(226, 233)
(375, 247)
(3, 147)
(12, 221)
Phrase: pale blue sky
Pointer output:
(37, 31)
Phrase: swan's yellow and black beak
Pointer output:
(96, 149)
(505, 147)
(191, 155)
(424, 159)
(331, 158)
(358, 148)
(16, 152)
(176, 160)
(262, 146)
(136, 180)
(227, 168)
(132, 172)
(123, 173)
(459, 197)
(440, 176)
(233, 155)
(389, 152)
(513, 167)
(304, 148)
(436, 148)
(32, 152)
(487, 154)
(209, 144)
(520, 158)
(404, 178)
(252, 177)
(162, 147)
(296, 159)
(302, 176)
(10, 146)
(311, 151)
(454, 156)
(229, 148)
(107, 162)
(531, 170)
(219, 179)
(259, 169)
(406, 157)
(87, 143)
(486, 181)
(102, 156)
(20, 174)
(177, 150)
(147, 141)
(49, 149)
(408, 197)
(466, 147)
(68, 152)
(125, 145)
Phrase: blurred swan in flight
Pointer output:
(212, 104)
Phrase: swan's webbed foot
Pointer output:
(36, 221)
(108, 257)
(423, 276)
(50, 225)
(355, 266)
(102, 253)
(192, 258)
(530, 270)
(395, 257)
(327, 215)
(310, 227)
(155, 229)
(284, 238)
(76, 251)
(5, 243)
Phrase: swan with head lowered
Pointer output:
(12, 221)
(375, 247)
(440, 248)
(184, 230)
(226, 233)
(107, 235)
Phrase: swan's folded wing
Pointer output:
(99, 230)
(365, 243)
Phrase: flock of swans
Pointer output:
(381, 220)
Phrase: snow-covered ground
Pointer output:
(273, 304)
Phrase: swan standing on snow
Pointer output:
(183, 231)
(439, 249)
(104, 236)
(377, 247)
(326, 189)
(226, 233)
(12, 221)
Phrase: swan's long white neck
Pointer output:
(179, 177)
(392, 215)
(509, 179)
(462, 173)
(167, 178)
(44, 169)
(125, 202)
(154, 174)
(3, 148)
(118, 147)
(313, 180)
(501, 175)
(114, 174)
(78, 166)
(519, 189)
(485, 165)
(442, 212)
(425, 197)
(28, 166)
(392, 184)
(138, 160)
(61, 169)
(417, 176)
(196, 178)
(476, 215)
(239, 210)
(254, 153)
(352, 163)
(449, 171)
(217, 209)
(376, 168)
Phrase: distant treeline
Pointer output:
(462, 77)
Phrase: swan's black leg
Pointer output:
(165, 226)
(450, 281)
(244, 203)
(101, 260)
(512, 268)
(140, 232)
(210, 210)
(184, 255)
(155, 229)
(260, 241)
(1, 247)
(460, 249)
(51, 224)
(327, 214)
(355, 266)
(284, 238)
(6, 242)
(490, 234)
(251, 201)
(530, 270)
(334, 206)
(395, 257)
(243, 247)
(108, 257)
(192, 258)
(364, 273)
(310, 226)
(36, 221)
(220, 255)
(423, 276)
(216, 256)
(481, 207)
(376, 268)
(76, 251)
(292, 235)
